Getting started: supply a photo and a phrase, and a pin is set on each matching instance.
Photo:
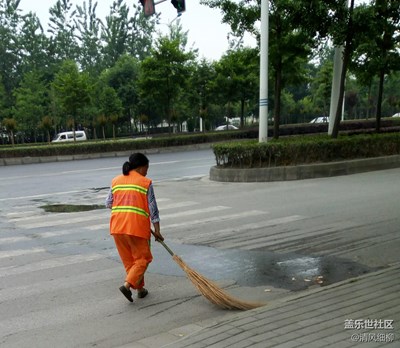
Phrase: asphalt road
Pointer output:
(60, 273)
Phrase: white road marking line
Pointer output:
(214, 219)
(19, 252)
(49, 263)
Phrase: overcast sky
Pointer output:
(206, 32)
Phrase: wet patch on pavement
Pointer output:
(70, 208)
(256, 268)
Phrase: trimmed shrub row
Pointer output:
(302, 150)
(88, 147)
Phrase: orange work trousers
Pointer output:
(135, 254)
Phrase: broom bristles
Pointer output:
(212, 292)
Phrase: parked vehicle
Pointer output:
(226, 127)
(396, 115)
(69, 136)
(321, 119)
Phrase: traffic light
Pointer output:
(148, 7)
(179, 5)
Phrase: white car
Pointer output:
(322, 119)
(69, 136)
(396, 115)
(225, 127)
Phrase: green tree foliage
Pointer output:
(202, 96)
(62, 28)
(10, 17)
(46, 123)
(377, 51)
(321, 86)
(34, 43)
(72, 91)
(88, 27)
(122, 77)
(31, 103)
(164, 76)
(111, 106)
(123, 34)
(237, 78)
(3, 101)
(290, 39)
(10, 125)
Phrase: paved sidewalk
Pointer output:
(344, 314)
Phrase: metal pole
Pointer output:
(337, 70)
(263, 126)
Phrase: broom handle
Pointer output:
(163, 244)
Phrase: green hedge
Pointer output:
(99, 146)
(305, 149)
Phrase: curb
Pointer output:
(304, 171)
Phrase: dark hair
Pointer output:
(136, 160)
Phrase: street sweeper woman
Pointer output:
(133, 211)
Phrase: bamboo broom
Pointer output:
(209, 289)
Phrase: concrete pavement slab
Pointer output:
(362, 311)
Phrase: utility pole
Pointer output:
(263, 103)
(337, 71)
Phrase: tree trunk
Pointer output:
(379, 103)
(277, 105)
(242, 102)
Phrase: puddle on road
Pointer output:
(70, 208)
(256, 268)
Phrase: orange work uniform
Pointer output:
(130, 225)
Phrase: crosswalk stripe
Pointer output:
(214, 219)
(177, 205)
(193, 212)
(26, 213)
(242, 231)
(55, 221)
(218, 234)
(59, 284)
(49, 263)
(19, 252)
(11, 240)
(269, 243)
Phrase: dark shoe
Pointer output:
(127, 293)
(142, 293)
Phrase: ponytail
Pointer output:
(126, 168)
(136, 160)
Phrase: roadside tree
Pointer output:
(31, 103)
(164, 75)
(72, 92)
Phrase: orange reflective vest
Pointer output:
(130, 212)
